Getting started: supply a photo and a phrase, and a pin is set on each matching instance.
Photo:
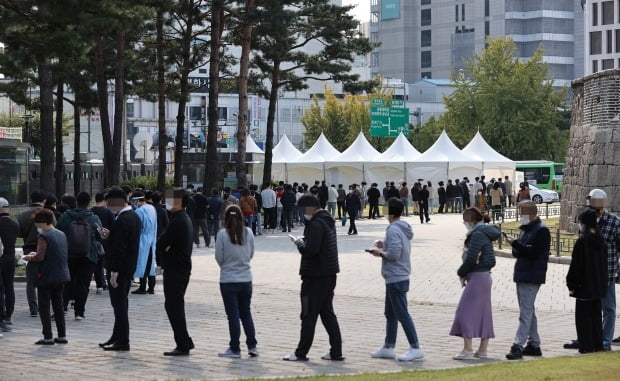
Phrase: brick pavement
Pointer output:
(435, 290)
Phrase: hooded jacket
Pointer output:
(480, 255)
(78, 214)
(319, 253)
(532, 253)
(396, 263)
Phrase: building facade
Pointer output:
(602, 35)
(432, 38)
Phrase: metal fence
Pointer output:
(561, 243)
(512, 213)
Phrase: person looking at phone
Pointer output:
(532, 252)
(395, 252)
(319, 265)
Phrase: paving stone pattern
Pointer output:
(435, 291)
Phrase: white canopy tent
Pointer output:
(350, 166)
(310, 166)
(283, 153)
(494, 164)
(391, 165)
(443, 160)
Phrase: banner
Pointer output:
(390, 9)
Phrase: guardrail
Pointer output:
(544, 211)
(561, 243)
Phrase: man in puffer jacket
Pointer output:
(319, 265)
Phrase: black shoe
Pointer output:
(177, 352)
(606, 348)
(614, 341)
(61, 340)
(531, 350)
(45, 342)
(516, 353)
(139, 292)
(116, 347)
(574, 344)
(283, 230)
(107, 343)
(150, 291)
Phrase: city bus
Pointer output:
(543, 174)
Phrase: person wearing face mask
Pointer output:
(319, 265)
(474, 316)
(531, 250)
(587, 282)
(120, 261)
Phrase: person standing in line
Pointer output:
(81, 228)
(432, 196)
(404, 197)
(174, 249)
(288, 201)
(257, 227)
(502, 186)
(451, 196)
(587, 282)
(423, 196)
(162, 214)
(531, 250)
(458, 199)
(465, 192)
(442, 197)
(496, 201)
(342, 194)
(269, 206)
(233, 252)
(53, 272)
(392, 192)
(318, 270)
(9, 230)
(120, 261)
(216, 206)
(509, 191)
(28, 231)
(107, 219)
(395, 252)
(353, 207)
(323, 194)
(332, 200)
(299, 211)
(415, 197)
(145, 266)
(474, 316)
(200, 218)
(373, 197)
(362, 194)
(524, 193)
(247, 204)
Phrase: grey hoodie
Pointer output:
(396, 264)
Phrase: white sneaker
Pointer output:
(481, 355)
(464, 355)
(412, 354)
(384, 353)
(230, 354)
(293, 357)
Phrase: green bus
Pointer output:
(543, 174)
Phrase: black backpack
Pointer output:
(78, 237)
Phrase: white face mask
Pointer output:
(40, 230)
(468, 226)
(169, 205)
(308, 216)
(525, 220)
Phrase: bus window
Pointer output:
(559, 169)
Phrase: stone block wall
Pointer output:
(593, 157)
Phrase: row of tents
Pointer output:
(400, 162)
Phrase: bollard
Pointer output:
(557, 243)
(547, 210)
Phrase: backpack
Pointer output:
(78, 237)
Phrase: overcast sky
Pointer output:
(362, 11)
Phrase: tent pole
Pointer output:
(405, 169)
(286, 172)
(363, 173)
(324, 179)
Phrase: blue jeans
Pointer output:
(608, 302)
(331, 208)
(396, 311)
(237, 298)
(257, 223)
(214, 227)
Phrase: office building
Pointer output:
(602, 35)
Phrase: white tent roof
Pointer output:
(320, 152)
(285, 151)
(444, 151)
(360, 151)
(250, 146)
(479, 149)
(399, 152)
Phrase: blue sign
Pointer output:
(390, 9)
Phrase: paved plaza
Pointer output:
(434, 293)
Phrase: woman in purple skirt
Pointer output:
(473, 317)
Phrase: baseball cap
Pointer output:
(4, 203)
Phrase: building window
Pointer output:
(486, 8)
(608, 64)
(426, 38)
(610, 41)
(426, 17)
(594, 66)
(202, 71)
(595, 42)
(607, 7)
(487, 28)
(426, 59)
(456, 13)
(129, 110)
(426, 2)
(594, 14)
(462, 12)
(617, 40)
(427, 75)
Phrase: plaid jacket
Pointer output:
(610, 228)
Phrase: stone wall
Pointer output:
(593, 157)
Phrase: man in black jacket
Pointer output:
(373, 196)
(531, 250)
(174, 250)
(318, 269)
(120, 260)
(9, 229)
(107, 219)
(288, 201)
(450, 196)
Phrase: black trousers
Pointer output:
(441, 206)
(287, 217)
(317, 296)
(352, 227)
(81, 271)
(175, 284)
(53, 293)
(120, 305)
(373, 209)
(201, 224)
(270, 217)
(341, 209)
(423, 211)
(7, 269)
(589, 324)
(100, 274)
(147, 270)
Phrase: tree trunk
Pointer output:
(102, 97)
(271, 116)
(77, 164)
(242, 116)
(47, 128)
(217, 28)
(161, 103)
(119, 107)
(60, 165)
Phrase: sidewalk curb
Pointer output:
(552, 259)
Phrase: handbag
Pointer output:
(344, 219)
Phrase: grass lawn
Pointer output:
(601, 366)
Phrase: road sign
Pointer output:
(388, 121)
(397, 103)
(377, 102)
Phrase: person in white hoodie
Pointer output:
(395, 252)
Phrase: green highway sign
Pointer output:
(377, 102)
(397, 103)
(388, 122)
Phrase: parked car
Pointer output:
(543, 195)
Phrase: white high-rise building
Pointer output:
(602, 35)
